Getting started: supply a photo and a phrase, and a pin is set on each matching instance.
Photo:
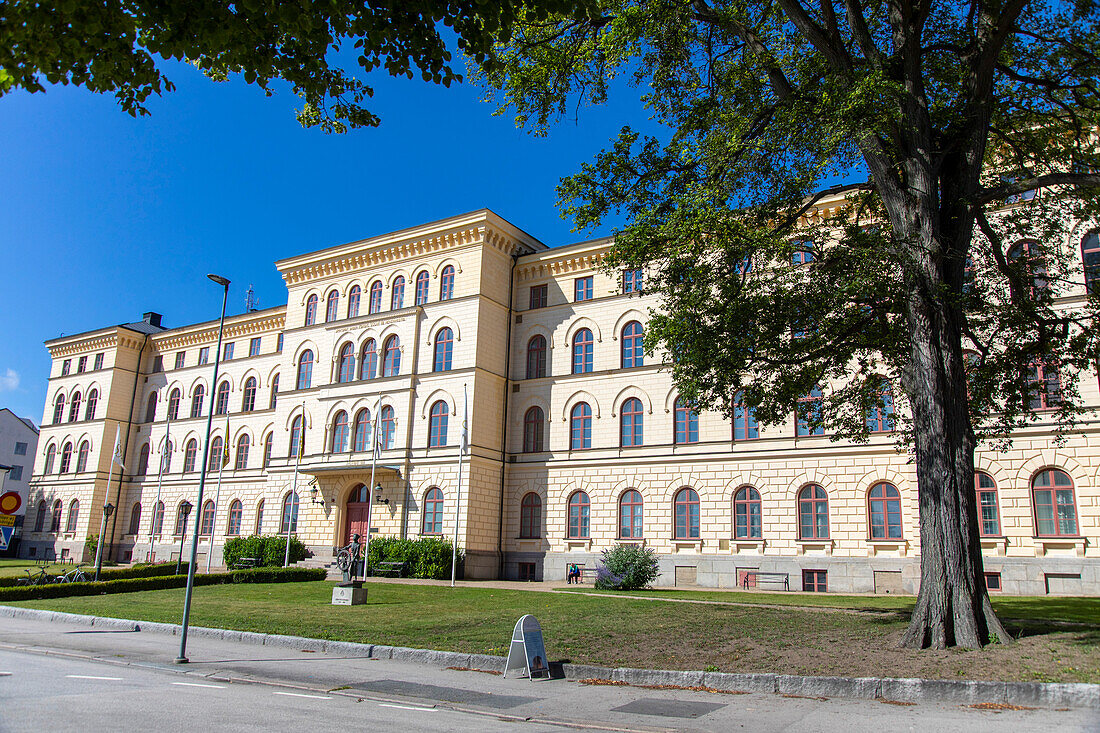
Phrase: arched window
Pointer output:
(66, 457)
(74, 516)
(347, 363)
(809, 414)
(1028, 256)
(339, 432)
(580, 427)
(374, 305)
(197, 398)
(880, 417)
(579, 516)
(214, 458)
(746, 514)
(687, 515)
(447, 283)
(143, 461)
(744, 419)
(582, 351)
(236, 511)
(989, 515)
(269, 446)
(444, 344)
(630, 423)
(181, 520)
(222, 402)
(93, 398)
(536, 357)
(173, 404)
(353, 301)
(248, 403)
(82, 457)
(437, 435)
(632, 345)
(297, 437)
(391, 362)
(368, 360)
(387, 427)
(813, 513)
(158, 519)
(206, 527)
(59, 409)
(630, 515)
(534, 423)
(274, 392)
(305, 370)
(135, 519)
(55, 517)
(311, 310)
(530, 516)
(332, 305)
(432, 520)
(40, 516)
(244, 443)
(1090, 260)
(151, 408)
(686, 423)
(259, 516)
(884, 512)
(421, 296)
(190, 452)
(51, 454)
(397, 294)
(361, 432)
(289, 521)
(1055, 506)
(74, 408)
(1044, 386)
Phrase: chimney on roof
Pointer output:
(153, 319)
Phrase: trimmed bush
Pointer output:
(142, 570)
(627, 567)
(268, 549)
(131, 585)
(428, 557)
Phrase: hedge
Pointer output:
(268, 549)
(142, 570)
(131, 585)
(428, 557)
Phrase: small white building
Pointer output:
(18, 447)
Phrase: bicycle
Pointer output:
(76, 575)
(38, 577)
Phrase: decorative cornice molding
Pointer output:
(208, 333)
(94, 343)
(566, 264)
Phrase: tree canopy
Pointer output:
(119, 46)
(954, 114)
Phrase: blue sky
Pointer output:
(106, 216)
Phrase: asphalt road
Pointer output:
(64, 677)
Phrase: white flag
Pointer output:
(375, 437)
(117, 457)
(464, 447)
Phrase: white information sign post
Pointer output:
(527, 653)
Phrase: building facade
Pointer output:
(18, 447)
(577, 438)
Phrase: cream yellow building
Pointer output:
(577, 439)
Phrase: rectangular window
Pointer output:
(66, 366)
(527, 571)
(20, 449)
(582, 288)
(82, 365)
(204, 355)
(254, 347)
(279, 344)
(814, 581)
(993, 581)
(158, 364)
(227, 354)
(98, 361)
(538, 297)
(16, 473)
(180, 357)
(632, 281)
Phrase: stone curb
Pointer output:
(1039, 694)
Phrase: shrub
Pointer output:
(627, 567)
(428, 557)
(267, 549)
(91, 544)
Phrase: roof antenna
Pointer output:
(250, 300)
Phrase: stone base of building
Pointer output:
(481, 565)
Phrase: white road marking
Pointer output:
(92, 677)
(295, 694)
(406, 707)
(5, 674)
(196, 684)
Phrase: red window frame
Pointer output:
(59, 409)
(1045, 483)
(374, 300)
(631, 515)
(297, 436)
(431, 519)
(437, 435)
(583, 351)
(135, 518)
(206, 527)
(1044, 390)
(530, 516)
(811, 505)
(744, 420)
(748, 517)
(73, 519)
(391, 363)
(214, 459)
(397, 294)
(533, 430)
(311, 310)
(536, 357)
(630, 423)
(74, 407)
(444, 347)
(361, 431)
(368, 360)
(55, 517)
(806, 406)
(93, 397)
(222, 407)
(248, 398)
(536, 297)
(387, 427)
(291, 502)
(421, 295)
(985, 486)
(190, 454)
(305, 370)
(687, 517)
(447, 283)
(339, 432)
(347, 363)
(66, 458)
(353, 301)
(579, 519)
(244, 445)
(633, 340)
(1090, 261)
(685, 423)
(236, 512)
(580, 427)
(884, 512)
(1030, 253)
(332, 306)
(157, 526)
(815, 581)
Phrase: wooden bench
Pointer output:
(753, 578)
(245, 562)
(393, 569)
(588, 575)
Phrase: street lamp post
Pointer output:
(108, 510)
(182, 658)
(185, 511)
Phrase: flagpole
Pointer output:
(160, 480)
(218, 493)
(458, 497)
(374, 450)
(294, 488)
(110, 474)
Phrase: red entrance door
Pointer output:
(358, 510)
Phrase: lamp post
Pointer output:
(182, 658)
(185, 511)
(108, 510)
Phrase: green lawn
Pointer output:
(18, 568)
(616, 632)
